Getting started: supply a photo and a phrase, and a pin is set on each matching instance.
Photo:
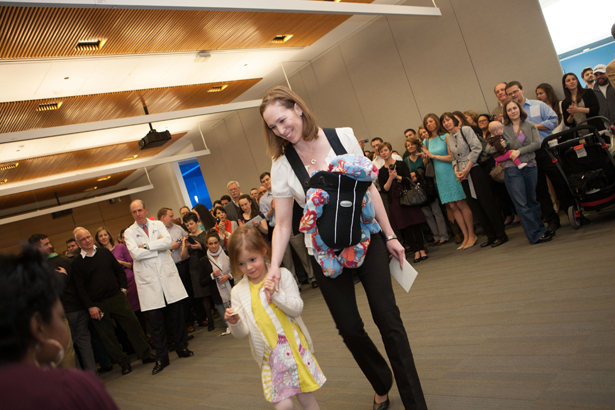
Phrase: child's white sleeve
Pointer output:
(241, 328)
(288, 298)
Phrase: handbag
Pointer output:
(413, 196)
(429, 169)
(497, 173)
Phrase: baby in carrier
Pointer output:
(501, 146)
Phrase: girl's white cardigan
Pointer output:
(287, 299)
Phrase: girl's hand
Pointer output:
(273, 275)
(514, 154)
(240, 222)
(269, 285)
(196, 245)
(224, 278)
(392, 174)
(216, 273)
(426, 153)
(229, 317)
(461, 176)
(397, 251)
(255, 223)
(221, 227)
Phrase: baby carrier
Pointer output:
(336, 206)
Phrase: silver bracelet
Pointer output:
(391, 237)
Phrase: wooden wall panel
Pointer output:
(46, 32)
(87, 215)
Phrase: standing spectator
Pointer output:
(500, 93)
(120, 237)
(206, 220)
(232, 208)
(423, 134)
(579, 104)
(62, 271)
(449, 188)
(249, 214)
(393, 177)
(166, 216)
(546, 94)
(102, 287)
(545, 120)
(225, 227)
(378, 161)
(224, 201)
(193, 249)
(465, 149)
(409, 133)
(431, 211)
(34, 337)
(605, 93)
(254, 193)
(588, 76)
(216, 273)
(72, 249)
(105, 240)
(261, 191)
(159, 283)
(523, 137)
(471, 117)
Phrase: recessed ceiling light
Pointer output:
(90, 45)
(9, 166)
(91, 189)
(3, 181)
(130, 157)
(66, 78)
(281, 38)
(217, 88)
(335, 1)
(104, 178)
(49, 106)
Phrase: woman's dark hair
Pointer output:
(219, 208)
(439, 130)
(190, 216)
(460, 117)
(552, 98)
(523, 114)
(253, 208)
(207, 219)
(99, 230)
(212, 233)
(580, 90)
(27, 286)
(451, 115)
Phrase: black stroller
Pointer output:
(582, 156)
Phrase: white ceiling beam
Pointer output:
(79, 175)
(271, 6)
(123, 122)
(76, 204)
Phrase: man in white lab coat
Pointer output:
(158, 282)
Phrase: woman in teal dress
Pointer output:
(449, 188)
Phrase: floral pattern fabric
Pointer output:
(361, 169)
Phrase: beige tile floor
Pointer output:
(516, 327)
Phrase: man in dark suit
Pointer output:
(101, 284)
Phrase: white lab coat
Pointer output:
(156, 275)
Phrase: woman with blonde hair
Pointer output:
(290, 126)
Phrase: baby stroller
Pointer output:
(584, 159)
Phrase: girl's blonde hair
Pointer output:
(246, 238)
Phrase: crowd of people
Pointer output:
(143, 291)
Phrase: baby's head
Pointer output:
(496, 128)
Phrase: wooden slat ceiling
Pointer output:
(31, 198)
(23, 115)
(39, 167)
(41, 32)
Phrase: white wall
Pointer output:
(166, 192)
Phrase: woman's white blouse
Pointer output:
(284, 182)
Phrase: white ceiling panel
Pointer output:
(36, 79)
(19, 81)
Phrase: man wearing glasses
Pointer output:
(545, 120)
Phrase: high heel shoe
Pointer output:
(471, 245)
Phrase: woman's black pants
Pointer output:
(484, 207)
(341, 300)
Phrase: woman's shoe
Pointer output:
(424, 258)
(382, 406)
(417, 259)
(472, 244)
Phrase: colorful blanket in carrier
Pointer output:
(333, 261)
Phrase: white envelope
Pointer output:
(406, 276)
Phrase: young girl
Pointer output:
(280, 342)
(221, 274)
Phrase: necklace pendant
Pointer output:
(313, 162)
